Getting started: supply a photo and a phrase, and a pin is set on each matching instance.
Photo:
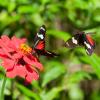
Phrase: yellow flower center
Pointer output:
(25, 49)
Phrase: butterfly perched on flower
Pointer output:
(81, 39)
(39, 43)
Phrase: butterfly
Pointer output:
(39, 43)
(81, 39)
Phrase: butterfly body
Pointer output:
(39, 43)
(81, 39)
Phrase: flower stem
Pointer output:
(2, 88)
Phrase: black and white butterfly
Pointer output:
(81, 39)
(39, 43)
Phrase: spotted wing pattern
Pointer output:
(72, 42)
(89, 45)
(39, 43)
(81, 39)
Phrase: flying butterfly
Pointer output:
(39, 43)
(81, 39)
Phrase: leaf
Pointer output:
(51, 94)
(75, 92)
(11, 6)
(37, 19)
(55, 70)
(4, 3)
(5, 19)
(44, 1)
(23, 1)
(35, 84)
(96, 15)
(54, 8)
(59, 34)
(27, 9)
(94, 61)
(79, 76)
(28, 92)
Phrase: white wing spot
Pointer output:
(67, 43)
(49, 52)
(42, 28)
(74, 40)
(87, 45)
(40, 36)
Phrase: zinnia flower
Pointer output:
(17, 59)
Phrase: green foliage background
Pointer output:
(71, 76)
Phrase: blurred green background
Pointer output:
(71, 76)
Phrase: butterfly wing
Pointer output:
(89, 44)
(89, 48)
(81, 39)
(50, 54)
(72, 42)
(39, 41)
(89, 51)
(46, 53)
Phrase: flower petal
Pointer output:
(5, 43)
(11, 73)
(32, 62)
(17, 55)
(5, 39)
(15, 62)
(17, 41)
(17, 70)
(21, 71)
(8, 63)
(31, 76)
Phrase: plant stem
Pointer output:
(2, 88)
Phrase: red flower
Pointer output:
(18, 60)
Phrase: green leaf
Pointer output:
(44, 1)
(78, 76)
(11, 6)
(28, 92)
(51, 94)
(23, 1)
(74, 78)
(36, 85)
(59, 34)
(27, 9)
(4, 2)
(54, 8)
(55, 69)
(94, 61)
(75, 92)
(37, 19)
(96, 15)
(6, 19)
